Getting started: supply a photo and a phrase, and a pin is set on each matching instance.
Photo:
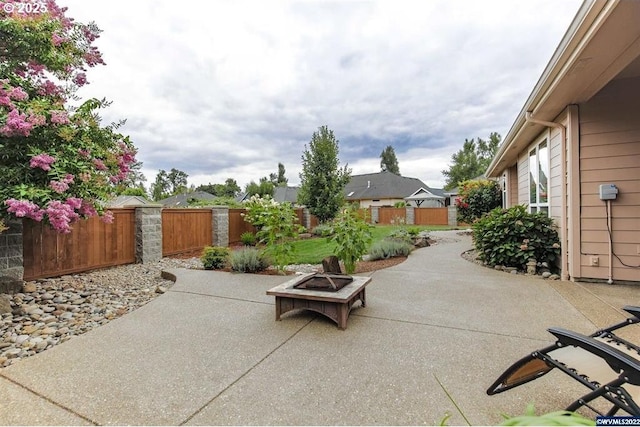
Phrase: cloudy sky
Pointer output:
(227, 89)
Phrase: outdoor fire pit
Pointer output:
(331, 295)
(324, 282)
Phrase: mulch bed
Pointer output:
(361, 266)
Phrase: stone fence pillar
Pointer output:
(220, 226)
(11, 261)
(410, 215)
(452, 216)
(375, 214)
(148, 234)
(306, 219)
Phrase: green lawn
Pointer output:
(313, 251)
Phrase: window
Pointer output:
(505, 179)
(539, 178)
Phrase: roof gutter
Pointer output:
(564, 261)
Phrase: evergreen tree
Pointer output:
(322, 180)
(389, 161)
(278, 179)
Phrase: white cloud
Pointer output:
(225, 89)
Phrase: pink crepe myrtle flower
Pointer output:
(75, 202)
(16, 124)
(84, 153)
(57, 40)
(37, 120)
(61, 215)
(87, 209)
(107, 218)
(59, 117)
(49, 88)
(42, 161)
(24, 209)
(80, 79)
(18, 94)
(59, 186)
(99, 164)
(5, 101)
(68, 179)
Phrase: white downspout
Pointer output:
(564, 259)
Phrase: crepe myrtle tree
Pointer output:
(57, 162)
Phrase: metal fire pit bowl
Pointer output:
(324, 282)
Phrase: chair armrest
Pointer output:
(632, 309)
(617, 360)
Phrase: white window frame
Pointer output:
(537, 205)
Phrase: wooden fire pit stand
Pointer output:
(334, 305)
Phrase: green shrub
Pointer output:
(389, 248)
(277, 227)
(214, 257)
(322, 230)
(511, 237)
(248, 260)
(248, 238)
(401, 234)
(413, 231)
(352, 235)
(476, 198)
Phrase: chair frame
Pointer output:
(626, 366)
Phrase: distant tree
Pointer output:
(389, 161)
(230, 188)
(177, 181)
(279, 180)
(168, 184)
(134, 191)
(322, 180)
(262, 189)
(160, 187)
(471, 161)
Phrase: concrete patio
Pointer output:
(436, 332)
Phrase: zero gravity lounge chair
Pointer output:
(606, 364)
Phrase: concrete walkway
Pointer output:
(436, 332)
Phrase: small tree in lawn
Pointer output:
(57, 163)
(322, 180)
(277, 227)
(352, 236)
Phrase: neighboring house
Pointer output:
(286, 194)
(128, 202)
(387, 189)
(580, 129)
(182, 200)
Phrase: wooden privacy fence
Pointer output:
(431, 216)
(237, 226)
(91, 244)
(186, 230)
(392, 215)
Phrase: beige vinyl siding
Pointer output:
(513, 186)
(555, 176)
(523, 178)
(610, 153)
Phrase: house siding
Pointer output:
(610, 153)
